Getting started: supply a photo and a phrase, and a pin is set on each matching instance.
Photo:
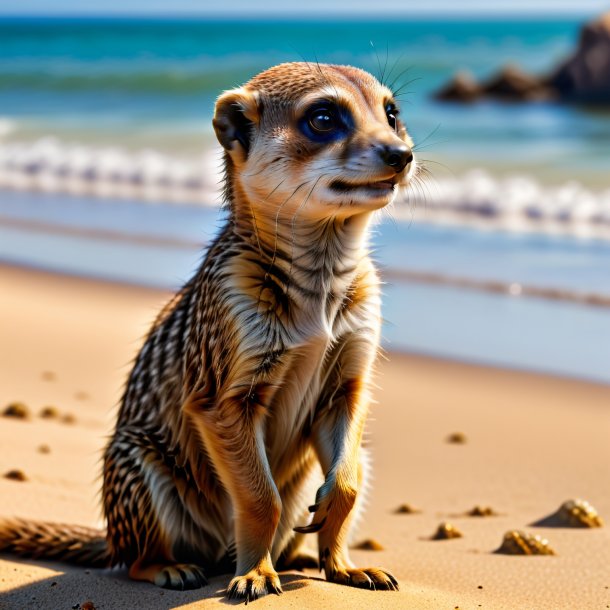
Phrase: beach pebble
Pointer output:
(446, 531)
(48, 376)
(80, 395)
(573, 513)
(18, 410)
(370, 544)
(15, 475)
(49, 413)
(68, 418)
(481, 511)
(457, 438)
(44, 449)
(406, 509)
(520, 543)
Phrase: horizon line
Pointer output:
(313, 15)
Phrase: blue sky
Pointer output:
(383, 8)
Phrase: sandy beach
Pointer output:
(532, 442)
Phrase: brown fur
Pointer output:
(252, 388)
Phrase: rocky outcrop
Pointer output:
(461, 88)
(585, 77)
(512, 84)
(582, 78)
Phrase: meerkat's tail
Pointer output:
(74, 544)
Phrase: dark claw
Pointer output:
(391, 579)
(312, 528)
(272, 588)
(250, 594)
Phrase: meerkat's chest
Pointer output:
(295, 401)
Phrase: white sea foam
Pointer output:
(518, 203)
(7, 126)
(50, 165)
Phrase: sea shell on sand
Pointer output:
(575, 513)
(18, 410)
(520, 543)
(457, 438)
(370, 544)
(15, 475)
(406, 509)
(49, 413)
(481, 511)
(446, 531)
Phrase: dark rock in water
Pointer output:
(511, 83)
(582, 78)
(585, 77)
(461, 88)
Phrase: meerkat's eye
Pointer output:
(323, 119)
(392, 113)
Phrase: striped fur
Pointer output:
(252, 388)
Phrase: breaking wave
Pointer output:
(519, 203)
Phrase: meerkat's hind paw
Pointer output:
(375, 579)
(181, 577)
(254, 584)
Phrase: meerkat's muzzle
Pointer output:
(396, 157)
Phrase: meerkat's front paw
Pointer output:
(255, 583)
(334, 500)
(364, 578)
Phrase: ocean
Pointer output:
(108, 168)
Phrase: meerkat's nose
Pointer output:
(397, 157)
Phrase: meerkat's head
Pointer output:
(313, 140)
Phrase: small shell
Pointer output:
(446, 531)
(520, 543)
(406, 509)
(15, 475)
(481, 511)
(18, 410)
(370, 544)
(457, 438)
(49, 413)
(578, 513)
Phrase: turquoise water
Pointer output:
(153, 83)
(127, 86)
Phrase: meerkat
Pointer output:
(252, 388)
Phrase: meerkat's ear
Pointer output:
(235, 117)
